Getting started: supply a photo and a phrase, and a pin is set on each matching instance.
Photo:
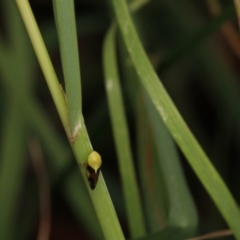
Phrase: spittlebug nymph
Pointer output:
(93, 167)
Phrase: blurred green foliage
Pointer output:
(199, 67)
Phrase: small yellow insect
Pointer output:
(93, 168)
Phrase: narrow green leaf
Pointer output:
(64, 13)
(155, 197)
(44, 61)
(182, 212)
(121, 136)
(173, 120)
(82, 145)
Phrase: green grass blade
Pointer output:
(81, 204)
(64, 13)
(121, 136)
(44, 61)
(81, 146)
(165, 163)
(182, 212)
(155, 197)
(173, 120)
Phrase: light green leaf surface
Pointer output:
(64, 13)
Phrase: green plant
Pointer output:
(157, 200)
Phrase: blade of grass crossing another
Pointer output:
(81, 146)
(173, 120)
(44, 61)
